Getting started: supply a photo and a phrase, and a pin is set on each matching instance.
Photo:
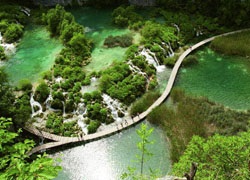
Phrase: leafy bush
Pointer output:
(13, 33)
(93, 126)
(219, 157)
(42, 92)
(144, 102)
(25, 85)
(126, 16)
(122, 41)
(2, 54)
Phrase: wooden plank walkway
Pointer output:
(60, 140)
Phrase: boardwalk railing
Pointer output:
(60, 140)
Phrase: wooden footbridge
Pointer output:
(60, 140)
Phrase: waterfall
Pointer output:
(170, 50)
(64, 114)
(80, 112)
(9, 49)
(136, 69)
(152, 59)
(1, 37)
(25, 11)
(177, 27)
(114, 106)
(59, 80)
(33, 104)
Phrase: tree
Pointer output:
(42, 92)
(7, 97)
(13, 33)
(15, 163)
(2, 54)
(219, 157)
(144, 134)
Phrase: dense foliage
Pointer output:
(218, 157)
(15, 163)
(16, 108)
(2, 54)
(144, 133)
(122, 41)
(229, 13)
(12, 20)
(124, 16)
(119, 83)
(55, 125)
(234, 44)
(196, 116)
(144, 102)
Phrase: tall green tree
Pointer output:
(14, 161)
(7, 97)
(144, 133)
(218, 157)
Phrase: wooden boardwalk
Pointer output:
(60, 140)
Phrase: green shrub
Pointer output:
(144, 102)
(13, 33)
(122, 41)
(191, 59)
(42, 92)
(93, 126)
(2, 54)
(25, 85)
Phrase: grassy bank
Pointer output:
(195, 116)
(235, 44)
(144, 102)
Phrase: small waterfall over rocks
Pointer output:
(136, 69)
(34, 104)
(152, 59)
(115, 107)
(9, 49)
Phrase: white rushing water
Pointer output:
(34, 104)
(136, 69)
(152, 59)
(9, 49)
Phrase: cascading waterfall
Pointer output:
(25, 11)
(136, 69)
(33, 104)
(64, 114)
(80, 112)
(152, 59)
(114, 106)
(177, 27)
(92, 87)
(9, 49)
(170, 50)
(59, 80)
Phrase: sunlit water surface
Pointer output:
(108, 158)
(35, 54)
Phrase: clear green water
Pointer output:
(108, 158)
(35, 54)
(222, 79)
(100, 24)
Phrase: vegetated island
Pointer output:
(61, 88)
